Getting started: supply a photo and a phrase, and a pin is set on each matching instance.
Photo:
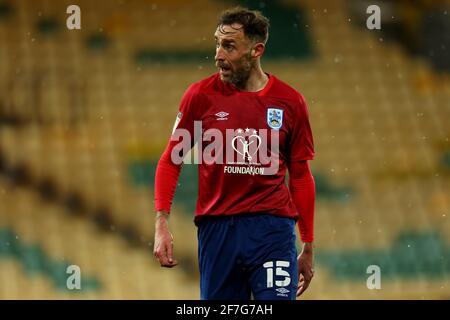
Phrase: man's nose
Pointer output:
(219, 54)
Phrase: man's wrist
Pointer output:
(161, 219)
(162, 214)
(308, 247)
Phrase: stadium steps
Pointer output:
(123, 272)
(91, 180)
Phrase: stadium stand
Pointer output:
(85, 114)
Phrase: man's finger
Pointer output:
(161, 254)
(301, 280)
(304, 282)
(165, 262)
(169, 250)
(303, 287)
(165, 257)
(170, 264)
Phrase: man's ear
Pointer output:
(258, 50)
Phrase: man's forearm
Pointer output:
(166, 178)
(302, 189)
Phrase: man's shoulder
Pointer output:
(206, 85)
(282, 90)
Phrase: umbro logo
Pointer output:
(282, 290)
(222, 115)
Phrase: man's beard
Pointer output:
(240, 76)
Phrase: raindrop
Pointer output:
(338, 59)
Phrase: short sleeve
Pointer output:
(301, 146)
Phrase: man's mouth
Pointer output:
(224, 69)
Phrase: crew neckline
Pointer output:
(257, 93)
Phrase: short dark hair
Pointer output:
(254, 23)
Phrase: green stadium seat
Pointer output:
(8, 243)
(6, 10)
(98, 41)
(48, 26)
(33, 259)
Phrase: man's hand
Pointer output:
(163, 247)
(305, 268)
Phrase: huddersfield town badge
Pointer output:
(275, 118)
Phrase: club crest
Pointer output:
(274, 118)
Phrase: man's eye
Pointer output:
(227, 47)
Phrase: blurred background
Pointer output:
(85, 115)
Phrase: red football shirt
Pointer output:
(241, 183)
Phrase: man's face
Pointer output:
(233, 54)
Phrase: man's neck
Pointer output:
(256, 81)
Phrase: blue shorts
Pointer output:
(247, 255)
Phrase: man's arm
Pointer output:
(167, 172)
(302, 189)
(166, 178)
